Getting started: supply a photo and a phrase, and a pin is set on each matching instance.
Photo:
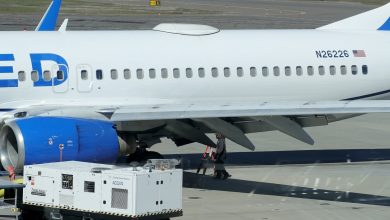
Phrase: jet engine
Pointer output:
(50, 139)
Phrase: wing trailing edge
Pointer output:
(188, 132)
(228, 130)
(288, 127)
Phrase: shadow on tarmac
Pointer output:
(192, 180)
(191, 161)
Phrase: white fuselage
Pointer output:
(112, 51)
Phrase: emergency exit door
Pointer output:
(84, 78)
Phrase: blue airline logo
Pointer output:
(7, 69)
(36, 63)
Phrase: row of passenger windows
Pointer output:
(46, 75)
(227, 72)
(215, 72)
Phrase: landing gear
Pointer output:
(141, 155)
(152, 155)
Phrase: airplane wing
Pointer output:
(282, 116)
(190, 121)
(246, 109)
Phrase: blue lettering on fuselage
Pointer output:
(7, 69)
(36, 63)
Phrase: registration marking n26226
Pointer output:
(332, 53)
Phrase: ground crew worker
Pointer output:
(220, 158)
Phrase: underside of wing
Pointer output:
(186, 123)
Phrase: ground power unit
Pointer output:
(151, 190)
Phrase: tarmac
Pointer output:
(330, 191)
(345, 175)
(224, 14)
(285, 179)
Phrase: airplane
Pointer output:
(97, 96)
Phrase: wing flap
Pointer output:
(187, 131)
(228, 130)
(288, 127)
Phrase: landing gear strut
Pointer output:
(141, 155)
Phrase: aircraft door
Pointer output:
(84, 78)
(59, 79)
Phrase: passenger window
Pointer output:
(22, 76)
(299, 71)
(164, 73)
(140, 73)
(99, 74)
(253, 71)
(287, 71)
(34, 75)
(114, 74)
(176, 73)
(189, 73)
(46, 75)
(226, 72)
(264, 71)
(276, 71)
(332, 70)
(240, 72)
(152, 73)
(201, 72)
(60, 75)
(321, 70)
(310, 70)
(84, 74)
(214, 72)
(365, 69)
(354, 69)
(343, 70)
(126, 74)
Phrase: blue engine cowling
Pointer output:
(49, 139)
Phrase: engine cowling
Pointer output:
(49, 139)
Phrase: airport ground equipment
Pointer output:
(98, 191)
(11, 193)
(154, 3)
(206, 160)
